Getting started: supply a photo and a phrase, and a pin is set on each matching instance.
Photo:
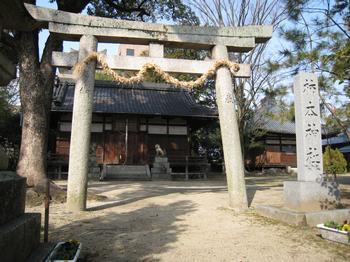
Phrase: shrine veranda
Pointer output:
(89, 31)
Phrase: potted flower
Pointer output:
(335, 232)
(65, 252)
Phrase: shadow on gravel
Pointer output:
(144, 192)
(131, 236)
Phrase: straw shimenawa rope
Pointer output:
(101, 58)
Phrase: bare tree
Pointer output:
(242, 13)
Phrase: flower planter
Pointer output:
(53, 254)
(334, 234)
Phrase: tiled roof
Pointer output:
(345, 149)
(339, 139)
(277, 126)
(263, 118)
(146, 99)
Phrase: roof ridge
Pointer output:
(143, 85)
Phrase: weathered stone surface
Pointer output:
(156, 50)
(338, 215)
(262, 33)
(68, 60)
(161, 166)
(161, 169)
(12, 196)
(160, 175)
(230, 134)
(308, 127)
(303, 218)
(142, 37)
(160, 159)
(81, 126)
(137, 172)
(112, 30)
(311, 192)
(286, 216)
(19, 237)
(310, 196)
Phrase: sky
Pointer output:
(67, 45)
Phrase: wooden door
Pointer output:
(114, 148)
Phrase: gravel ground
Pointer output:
(187, 221)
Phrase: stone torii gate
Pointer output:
(91, 30)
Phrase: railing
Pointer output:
(57, 165)
(189, 166)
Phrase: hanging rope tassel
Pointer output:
(140, 76)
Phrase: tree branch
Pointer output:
(123, 8)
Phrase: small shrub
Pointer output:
(334, 161)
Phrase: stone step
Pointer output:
(161, 165)
(139, 172)
(19, 237)
(12, 196)
(158, 159)
(160, 170)
(161, 176)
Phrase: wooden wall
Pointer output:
(277, 150)
(109, 132)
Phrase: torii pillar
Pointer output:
(230, 134)
(81, 129)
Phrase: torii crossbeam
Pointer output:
(90, 30)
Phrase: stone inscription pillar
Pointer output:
(230, 135)
(311, 192)
(308, 127)
(81, 128)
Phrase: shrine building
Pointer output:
(128, 121)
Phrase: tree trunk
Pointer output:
(36, 82)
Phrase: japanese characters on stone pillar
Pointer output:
(311, 192)
(308, 127)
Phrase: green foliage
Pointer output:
(10, 131)
(207, 140)
(144, 10)
(319, 38)
(343, 8)
(319, 41)
(334, 161)
(341, 65)
(334, 225)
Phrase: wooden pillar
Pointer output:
(230, 134)
(81, 128)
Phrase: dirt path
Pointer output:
(186, 221)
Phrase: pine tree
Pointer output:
(334, 161)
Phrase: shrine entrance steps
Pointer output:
(132, 172)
